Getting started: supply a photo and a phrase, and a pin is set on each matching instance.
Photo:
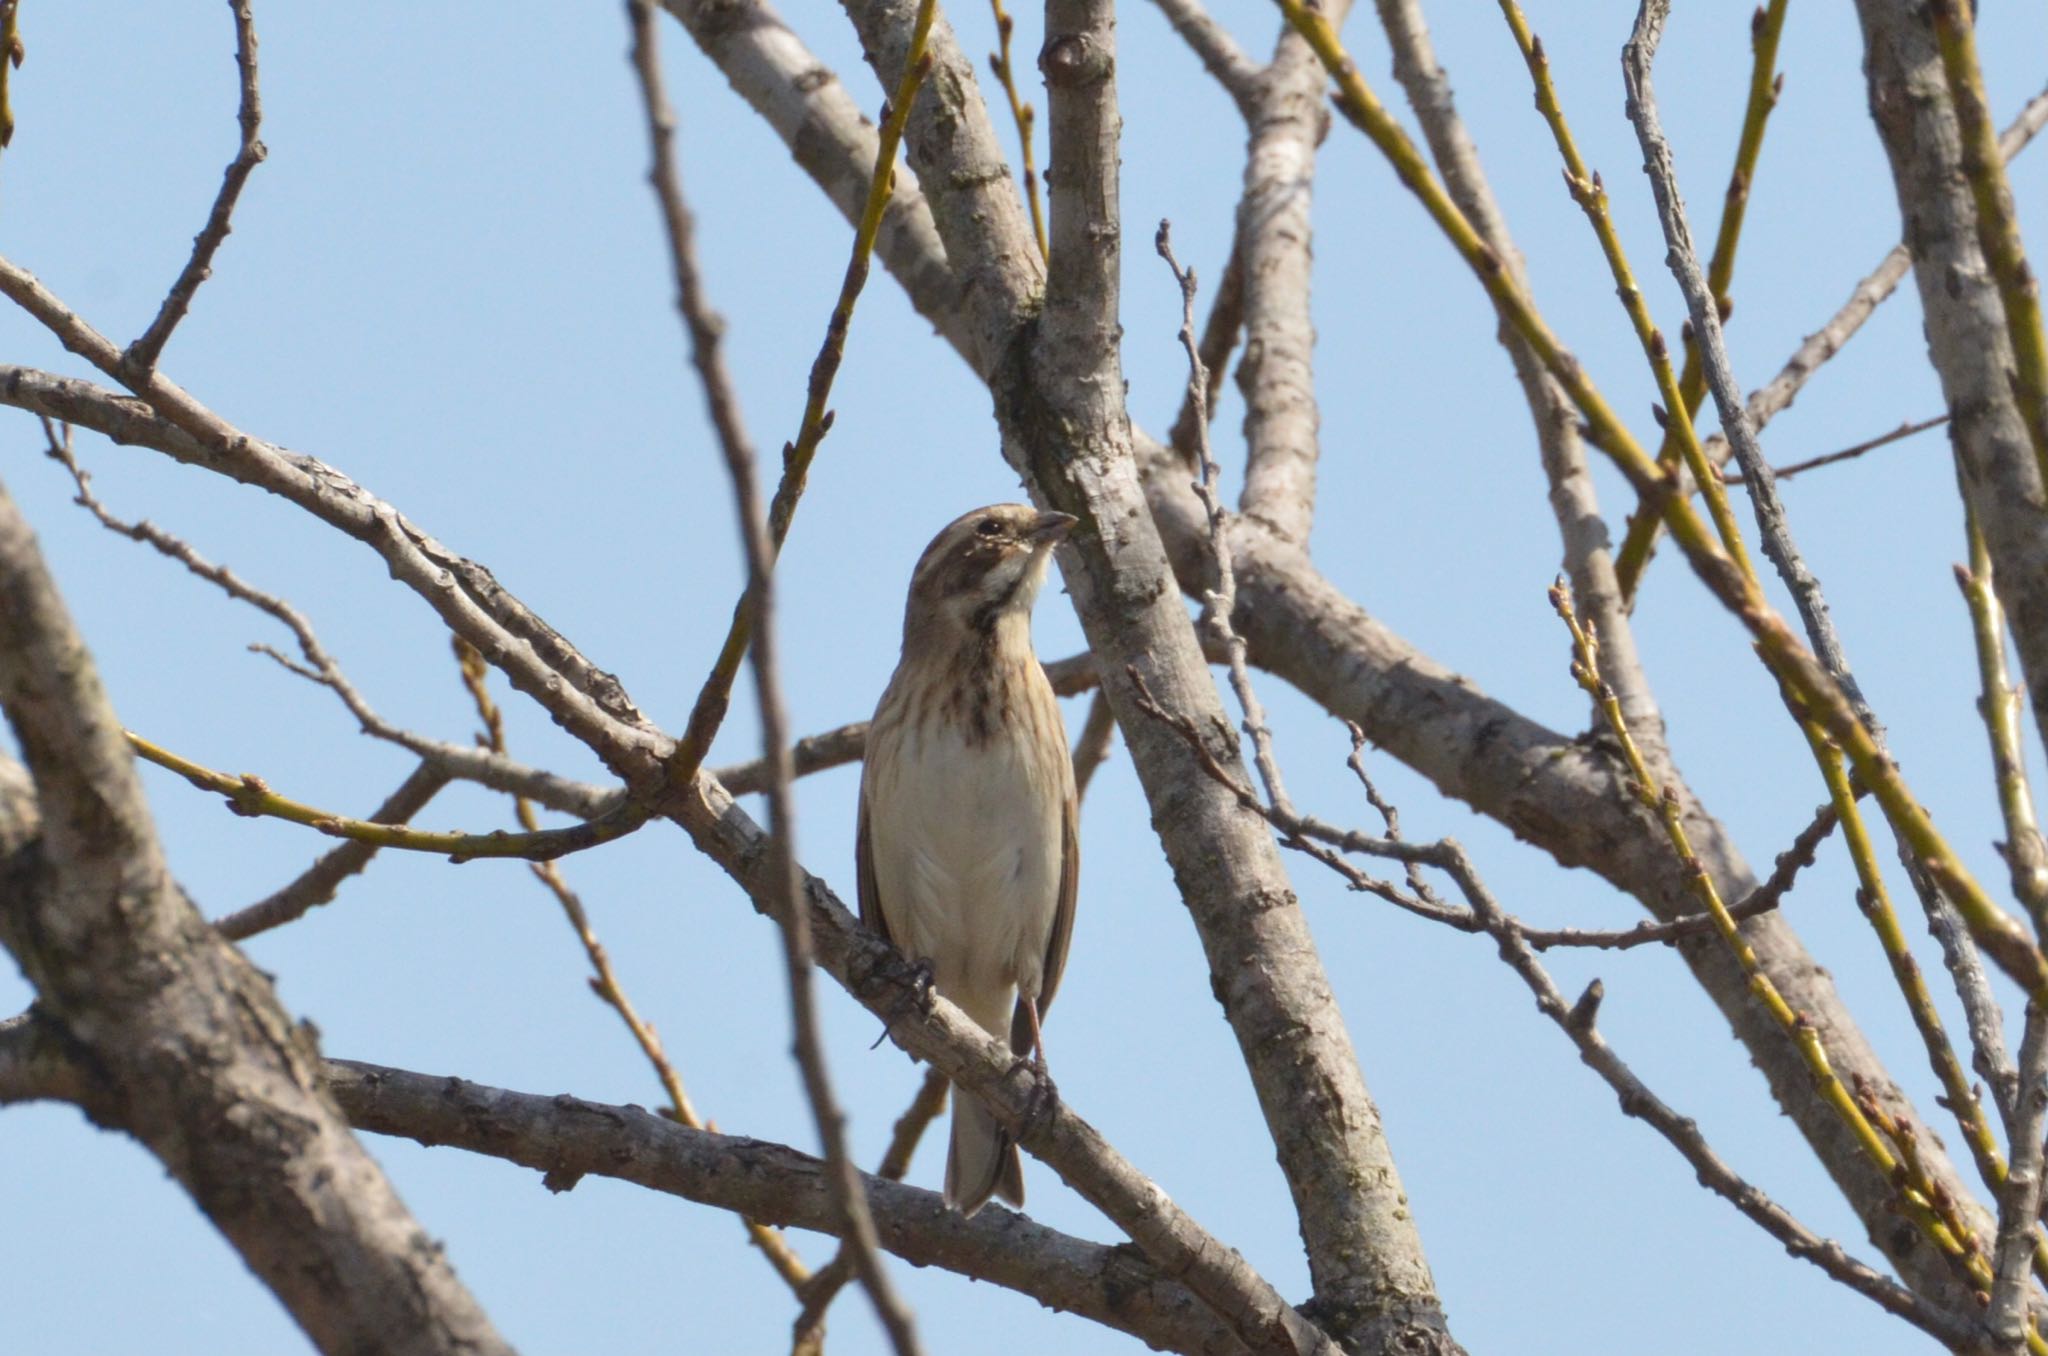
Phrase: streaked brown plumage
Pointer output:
(967, 853)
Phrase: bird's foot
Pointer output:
(923, 987)
(1042, 1099)
(919, 996)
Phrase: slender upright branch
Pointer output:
(708, 713)
(760, 543)
(1999, 705)
(1274, 236)
(1790, 662)
(808, 1332)
(141, 355)
(1022, 114)
(11, 52)
(1930, 1211)
(1704, 308)
(1775, 395)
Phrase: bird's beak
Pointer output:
(1051, 528)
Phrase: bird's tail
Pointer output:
(982, 1160)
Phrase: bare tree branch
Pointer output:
(199, 1062)
(760, 539)
(1239, 75)
(567, 1138)
(2019, 1197)
(317, 884)
(141, 355)
(1277, 373)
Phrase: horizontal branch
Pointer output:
(567, 1138)
(248, 794)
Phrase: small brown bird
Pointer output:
(967, 854)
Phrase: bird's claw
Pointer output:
(923, 987)
(1041, 1100)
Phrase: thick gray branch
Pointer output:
(189, 1050)
(1277, 373)
(1965, 320)
(567, 1138)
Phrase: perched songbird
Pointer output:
(967, 854)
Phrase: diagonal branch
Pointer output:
(567, 1138)
(141, 355)
(199, 1062)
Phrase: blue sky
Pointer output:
(448, 281)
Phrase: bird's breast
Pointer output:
(966, 830)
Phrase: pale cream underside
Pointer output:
(966, 844)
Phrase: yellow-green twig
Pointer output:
(1875, 902)
(10, 59)
(716, 695)
(1023, 115)
(605, 983)
(1788, 660)
(1916, 1197)
(1591, 196)
(1766, 26)
(248, 794)
(2026, 853)
(1998, 228)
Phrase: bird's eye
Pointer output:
(988, 527)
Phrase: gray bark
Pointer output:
(1965, 320)
(187, 1047)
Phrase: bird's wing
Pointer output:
(1062, 923)
(871, 916)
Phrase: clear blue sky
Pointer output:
(448, 281)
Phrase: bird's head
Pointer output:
(983, 566)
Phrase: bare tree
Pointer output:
(153, 1022)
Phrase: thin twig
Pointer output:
(248, 794)
(1682, 1132)
(1903, 431)
(1315, 838)
(1219, 336)
(1637, 59)
(1999, 705)
(11, 52)
(1767, 26)
(1220, 603)
(605, 981)
(141, 355)
(465, 762)
(1813, 353)
(825, 1285)
(1022, 114)
(760, 540)
(708, 712)
(317, 884)
(1590, 193)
